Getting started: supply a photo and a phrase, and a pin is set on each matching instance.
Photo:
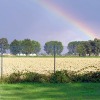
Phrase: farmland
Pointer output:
(45, 65)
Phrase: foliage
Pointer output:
(72, 47)
(88, 77)
(15, 47)
(30, 46)
(81, 49)
(4, 44)
(52, 46)
(25, 46)
(36, 46)
(35, 77)
(59, 77)
(18, 77)
(14, 78)
(91, 47)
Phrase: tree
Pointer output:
(30, 46)
(72, 47)
(27, 47)
(88, 47)
(4, 44)
(85, 47)
(15, 47)
(92, 46)
(81, 49)
(36, 47)
(97, 46)
(51, 45)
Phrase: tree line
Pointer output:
(27, 46)
(83, 48)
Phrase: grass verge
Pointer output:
(36, 91)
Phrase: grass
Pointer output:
(36, 91)
(51, 56)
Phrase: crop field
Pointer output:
(46, 65)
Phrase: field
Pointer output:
(49, 91)
(29, 91)
(45, 65)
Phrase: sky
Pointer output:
(50, 20)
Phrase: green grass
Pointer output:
(71, 91)
(51, 57)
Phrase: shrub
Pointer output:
(88, 77)
(35, 77)
(14, 78)
(26, 77)
(94, 76)
(59, 77)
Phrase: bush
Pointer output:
(88, 77)
(13, 78)
(19, 77)
(59, 77)
(35, 77)
(95, 76)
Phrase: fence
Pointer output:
(1, 60)
(45, 61)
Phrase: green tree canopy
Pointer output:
(51, 45)
(81, 49)
(85, 47)
(4, 44)
(72, 47)
(30, 46)
(36, 47)
(25, 46)
(97, 46)
(15, 47)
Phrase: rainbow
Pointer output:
(47, 4)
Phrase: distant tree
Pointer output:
(15, 47)
(36, 46)
(85, 47)
(81, 49)
(72, 47)
(97, 46)
(30, 46)
(92, 43)
(27, 47)
(51, 45)
(88, 48)
(4, 44)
